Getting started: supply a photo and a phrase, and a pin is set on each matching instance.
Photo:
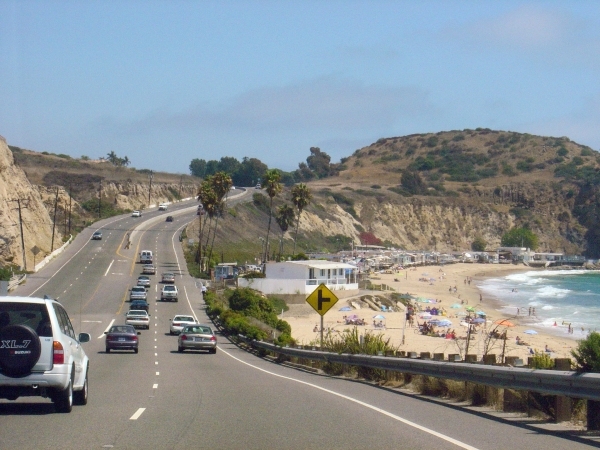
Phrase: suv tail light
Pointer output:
(58, 353)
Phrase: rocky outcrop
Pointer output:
(17, 194)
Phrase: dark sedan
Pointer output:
(169, 218)
(122, 337)
(139, 304)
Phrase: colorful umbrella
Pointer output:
(378, 316)
(470, 309)
(346, 308)
(456, 306)
(504, 323)
(530, 332)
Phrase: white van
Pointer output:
(146, 257)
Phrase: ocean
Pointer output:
(550, 299)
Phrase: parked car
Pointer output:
(169, 218)
(40, 354)
(180, 321)
(143, 280)
(138, 293)
(122, 337)
(149, 269)
(139, 304)
(169, 292)
(138, 318)
(197, 337)
(136, 213)
(97, 236)
(168, 277)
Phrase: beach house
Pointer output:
(303, 277)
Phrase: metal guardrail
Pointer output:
(554, 382)
(15, 281)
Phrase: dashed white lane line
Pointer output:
(157, 373)
(155, 386)
(137, 414)
(109, 266)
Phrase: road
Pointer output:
(161, 399)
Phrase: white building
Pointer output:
(303, 277)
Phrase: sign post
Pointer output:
(322, 300)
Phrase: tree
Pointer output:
(301, 197)
(112, 157)
(271, 184)
(413, 183)
(208, 198)
(319, 162)
(198, 168)
(285, 217)
(587, 353)
(229, 165)
(249, 171)
(479, 244)
(220, 184)
(520, 237)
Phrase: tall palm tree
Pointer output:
(272, 185)
(221, 183)
(301, 197)
(285, 217)
(208, 198)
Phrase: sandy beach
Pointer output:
(437, 283)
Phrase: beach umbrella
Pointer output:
(456, 306)
(425, 316)
(504, 323)
(425, 274)
(352, 317)
(481, 313)
(478, 320)
(346, 308)
(530, 332)
(441, 322)
(470, 309)
(378, 316)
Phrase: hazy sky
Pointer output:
(164, 82)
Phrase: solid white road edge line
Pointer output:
(366, 405)
(107, 328)
(109, 266)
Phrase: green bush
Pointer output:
(587, 353)
(542, 361)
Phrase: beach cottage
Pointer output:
(303, 277)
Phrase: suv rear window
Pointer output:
(34, 315)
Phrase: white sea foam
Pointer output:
(550, 291)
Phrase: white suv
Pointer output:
(169, 292)
(40, 354)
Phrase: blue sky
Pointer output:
(164, 82)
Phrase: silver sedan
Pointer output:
(197, 337)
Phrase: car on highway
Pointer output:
(168, 277)
(180, 321)
(122, 337)
(139, 304)
(146, 257)
(149, 269)
(162, 207)
(169, 218)
(197, 337)
(138, 293)
(138, 318)
(40, 353)
(97, 236)
(143, 280)
(169, 292)
(136, 213)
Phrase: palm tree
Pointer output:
(301, 197)
(208, 198)
(272, 185)
(285, 217)
(221, 183)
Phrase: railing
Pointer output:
(554, 382)
(331, 281)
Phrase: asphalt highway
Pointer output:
(161, 399)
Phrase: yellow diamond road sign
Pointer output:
(322, 299)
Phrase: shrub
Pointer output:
(587, 353)
(542, 361)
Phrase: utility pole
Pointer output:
(180, 183)
(22, 237)
(100, 200)
(54, 220)
(150, 189)
(70, 198)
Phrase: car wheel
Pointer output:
(213, 351)
(171, 333)
(135, 350)
(107, 349)
(81, 397)
(63, 401)
(18, 364)
(180, 349)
